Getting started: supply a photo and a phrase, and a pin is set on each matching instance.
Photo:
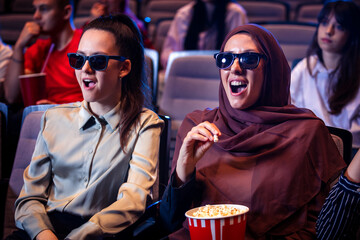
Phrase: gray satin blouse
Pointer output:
(79, 167)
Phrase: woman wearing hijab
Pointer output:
(270, 156)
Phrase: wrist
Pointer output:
(178, 182)
(183, 172)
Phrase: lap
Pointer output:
(18, 235)
(63, 224)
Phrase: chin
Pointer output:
(240, 105)
(89, 98)
(237, 106)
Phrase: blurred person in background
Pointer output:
(199, 25)
(327, 81)
(53, 19)
(106, 7)
(5, 56)
(202, 25)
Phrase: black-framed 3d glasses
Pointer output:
(247, 60)
(97, 62)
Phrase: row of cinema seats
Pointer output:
(31, 125)
(159, 14)
(264, 12)
(15, 13)
(294, 47)
(139, 7)
(294, 37)
(197, 88)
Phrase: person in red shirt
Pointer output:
(52, 18)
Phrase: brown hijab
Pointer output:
(272, 106)
(273, 157)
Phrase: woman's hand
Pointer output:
(195, 144)
(353, 171)
(46, 235)
(98, 9)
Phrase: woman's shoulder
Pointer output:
(235, 7)
(149, 116)
(63, 109)
(61, 115)
(301, 71)
(300, 66)
(314, 64)
(199, 116)
(185, 11)
(5, 51)
(235, 15)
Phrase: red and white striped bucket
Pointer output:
(218, 228)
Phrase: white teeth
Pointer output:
(237, 83)
(89, 83)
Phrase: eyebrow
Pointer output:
(95, 53)
(247, 50)
(42, 5)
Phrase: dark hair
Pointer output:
(63, 3)
(124, 4)
(344, 88)
(121, 6)
(134, 87)
(199, 23)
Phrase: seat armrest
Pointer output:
(4, 183)
(148, 227)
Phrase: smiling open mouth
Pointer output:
(237, 86)
(89, 83)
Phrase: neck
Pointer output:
(99, 109)
(62, 38)
(331, 60)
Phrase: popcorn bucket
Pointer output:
(32, 88)
(228, 227)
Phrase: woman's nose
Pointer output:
(87, 68)
(37, 14)
(330, 30)
(236, 67)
